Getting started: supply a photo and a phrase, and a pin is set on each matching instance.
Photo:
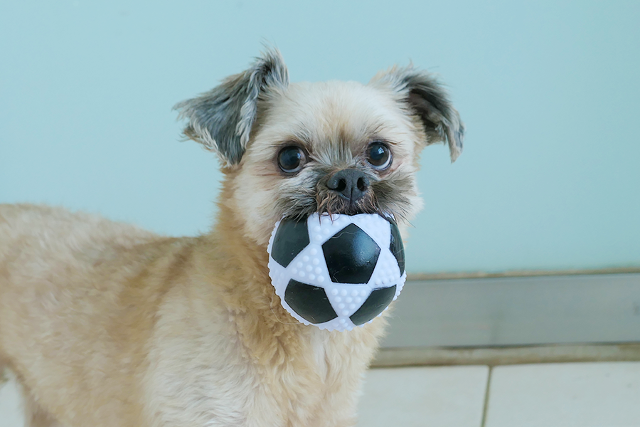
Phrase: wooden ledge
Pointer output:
(492, 356)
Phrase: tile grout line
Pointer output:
(486, 398)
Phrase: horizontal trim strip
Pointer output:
(518, 273)
(396, 357)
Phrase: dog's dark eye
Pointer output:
(379, 155)
(291, 159)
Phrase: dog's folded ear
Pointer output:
(222, 118)
(426, 98)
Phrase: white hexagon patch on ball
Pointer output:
(336, 272)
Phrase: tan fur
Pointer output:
(105, 324)
(113, 326)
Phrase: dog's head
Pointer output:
(337, 147)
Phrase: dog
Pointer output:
(105, 324)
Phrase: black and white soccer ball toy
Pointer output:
(336, 272)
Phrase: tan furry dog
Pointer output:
(105, 324)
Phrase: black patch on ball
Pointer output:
(351, 255)
(374, 305)
(396, 247)
(310, 302)
(291, 238)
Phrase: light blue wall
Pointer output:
(549, 91)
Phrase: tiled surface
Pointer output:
(565, 395)
(545, 395)
(424, 397)
(10, 406)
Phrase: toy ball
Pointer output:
(336, 272)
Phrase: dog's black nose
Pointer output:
(349, 183)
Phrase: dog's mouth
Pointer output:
(390, 197)
(335, 203)
(382, 202)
